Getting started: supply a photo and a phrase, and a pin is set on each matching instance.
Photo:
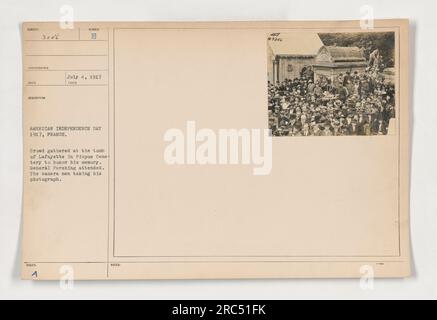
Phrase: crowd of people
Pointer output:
(354, 103)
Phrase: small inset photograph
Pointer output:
(331, 84)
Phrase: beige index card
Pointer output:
(215, 150)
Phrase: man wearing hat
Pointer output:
(326, 131)
(306, 130)
(379, 127)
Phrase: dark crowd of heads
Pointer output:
(353, 103)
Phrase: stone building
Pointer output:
(289, 53)
(332, 60)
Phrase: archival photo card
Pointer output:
(179, 150)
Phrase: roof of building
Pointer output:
(295, 43)
(343, 54)
(340, 57)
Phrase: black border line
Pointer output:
(109, 162)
